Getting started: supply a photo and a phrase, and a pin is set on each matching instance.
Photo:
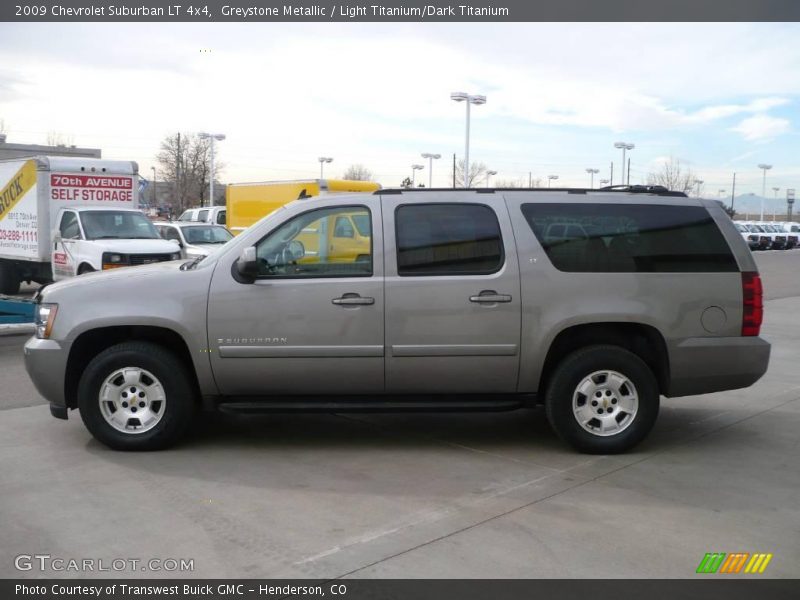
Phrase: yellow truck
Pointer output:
(247, 203)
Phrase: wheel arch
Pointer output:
(645, 341)
(93, 341)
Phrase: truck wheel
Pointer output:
(602, 399)
(84, 268)
(9, 279)
(136, 396)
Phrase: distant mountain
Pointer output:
(750, 204)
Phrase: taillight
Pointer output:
(752, 304)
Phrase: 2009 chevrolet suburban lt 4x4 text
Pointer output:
(594, 302)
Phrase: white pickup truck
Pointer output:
(61, 217)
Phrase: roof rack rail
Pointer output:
(658, 190)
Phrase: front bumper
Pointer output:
(705, 365)
(46, 364)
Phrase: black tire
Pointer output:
(84, 268)
(173, 376)
(9, 279)
(577, 366)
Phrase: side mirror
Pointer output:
(247, 264)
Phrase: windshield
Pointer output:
(117, 224)
(740, 227)
(206, 235)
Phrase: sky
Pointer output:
(721, 98)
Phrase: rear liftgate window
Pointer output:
(448, 239)
(626, 238)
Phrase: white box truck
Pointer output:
(61, 217)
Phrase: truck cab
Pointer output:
(96, 239)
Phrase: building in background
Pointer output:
(11, 150)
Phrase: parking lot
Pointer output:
(456, 496)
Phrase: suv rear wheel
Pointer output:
(602, 399)
(136, 396)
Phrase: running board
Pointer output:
(372, 406)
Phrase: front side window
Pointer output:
(629, 238)
(186, 216)
(306, 246)
(202, 215)
(70, 230)
(221, 218)
(170, 233)
(447, 239)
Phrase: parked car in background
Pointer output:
(194, 239)
(594, 303)
(792, 231)
(764, 239)
(779, 239)
(216, 215)
(753, 239)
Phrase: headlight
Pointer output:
(45, 317)
(112, 260)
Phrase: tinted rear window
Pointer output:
(626, 238)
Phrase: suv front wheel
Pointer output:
(602, 399)
(136, 396)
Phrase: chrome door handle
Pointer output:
(353, 300)
(490, 297)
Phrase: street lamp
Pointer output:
(469, 99)
(775, 206)
(430, 158)
(592, 173)
(322, 160)
(551, 178)
(624, 146)
(604, 181)
(765, 168)
(414, 169)
(698, 183)
(218, 137)
(155, 200)
(721, 192)
(488, 175)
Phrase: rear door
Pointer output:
(452, 294)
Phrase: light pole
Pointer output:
(764, 167)
(213, 137)
(551, 178)
(698, 183)
(592, 173)
(775, 206)
(322, 160)
(604, 181)
(155, 200)
(624, 146)
(488, 175)
(431, 158)
(414, 169)
(469, 99)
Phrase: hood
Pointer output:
(151, 271)
(202, 248)
(154, 246)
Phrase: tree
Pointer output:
(56, 138)
(357, 172)
(518, 183)
(184, 161)
(675, 177)
(406, 183)
(477, 173)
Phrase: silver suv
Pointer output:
(592, 302)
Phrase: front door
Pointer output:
(452, 294)
(63, 257)
(312, 322)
